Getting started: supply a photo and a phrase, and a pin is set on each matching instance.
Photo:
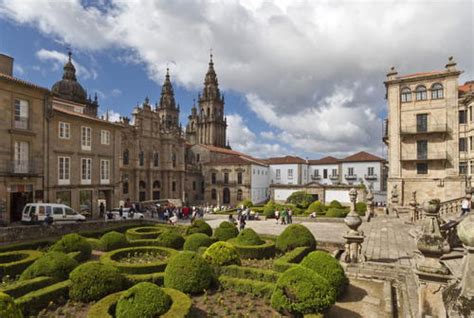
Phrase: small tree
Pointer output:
(301, 199)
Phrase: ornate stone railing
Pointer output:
(450, 207)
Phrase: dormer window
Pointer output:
(437, 91)
(405, 95)
(421, 93)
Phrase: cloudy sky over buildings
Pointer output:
(299, 77)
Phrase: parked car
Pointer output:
(37, 212)
(115, 214)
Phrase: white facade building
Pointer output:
(259, 183)
(288, 170)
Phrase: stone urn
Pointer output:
(353, 220)
(466, 231)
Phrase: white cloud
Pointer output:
(112, 115)
(18, 69)
(115, 92)
(59, 59)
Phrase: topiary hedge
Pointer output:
(170, 238)
(245, 203)
(247, 286)
(32, 303)
(316, 206)
(335, 204)
(143, 232)
(15, 262)
(96, 244)
(226, 231)
(256, 274)
(300, 290)
(262, 251)
(361, 208)
(199, 226)
(93, 280)
(221, 253)
(328, 267)
(113, 240)
(189, 273)
(301, 199)
(53, 264)
(113, 258)
(195, 241)
(8, 308)
(23, 287)
(290, 259)
(142, 300)
(248, 237)
(336, 213)
(295, 235)
(73, 243)
(155, 278)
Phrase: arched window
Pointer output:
(405, 95)
(421, 93)
(125, 188)
(213, 178)
(213, 194)
(141, 158)
(239, 195)
(156, 184)
(437, 91)
(142, 185)
(156, 159)
(125, 157)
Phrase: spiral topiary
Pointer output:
(73, 243)
(199, 226)
(170, 238)
(8, 308)
(113, 240)
(144, 300)
(300, 291)
(195, 241)
(93, 280)
(53, 264)
(189, 273)
(295, 235)
(226, 231)
(221, 254)
(248, 237)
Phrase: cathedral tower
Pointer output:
(167, 110)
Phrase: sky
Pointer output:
(299, 77)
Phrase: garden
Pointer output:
(160, 270)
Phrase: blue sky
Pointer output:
(302, 78)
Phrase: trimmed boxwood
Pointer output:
(105, 308)
(248, 237)
(290, 259)
(199, 226)
(226, 231)
(93, 280)
(73, 243)
(113, 240)
(336, 213)
(155, 278)
(96, 244)
(32, 303)
(328, 267)
(23, 287)
(143, 232)
(221, 253)
(335, 204)
(265, 250)
(53, 264)
(265, 275)
(171, 239)
(361, 208)
(112, 258)
(8, 308)
(195, 241)
(247, 286)
(189, 273)
(295, 235)
(300, 290)
(142, 300)
(15, 262)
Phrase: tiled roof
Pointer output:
(421, 74)
(284, 160)
(467, 87)
(325, 160)
(362, 157)
(222, 150)
(236, 160)
(22, 82)
(73, 113)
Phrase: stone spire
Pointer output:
(167, 94)
(211, 85)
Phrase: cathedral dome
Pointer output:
(69, 88)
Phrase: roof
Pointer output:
(325, 160)
(73, 113)
(22, 82)
(467, 87)
(362, 156)
(421, 74)
(284, 160)
(222, 150)
(237, 160)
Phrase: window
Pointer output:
(213, 194)
(86, 138)
(63, 197)
(57, 211)
(437, 91)
(422, 168)
(198, 158)
(421, 93)
(86, 170)
(21, 157)
(463, 144)
(173, 186)
(226, 178)
(334, 172)
(325, 173)
(422, 149)
(213, 178)
(156, 159)
(462, 117)
(422, 122)
(316, 173)
(64, 164)
(21, 114)
(470, 113)
(405, 95)
(463, 167)
(350, 171)
(64, 130)
(239, 177)
(173, 158)
(125, 188)
(472, 166)
(156, 184)
(370, 171)
(290, 173)
(194, 185)
(278, 173)
(105, 137)
(239, 195)
(125, 157)
(141, 158)
(104, 171)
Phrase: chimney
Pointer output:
(6, 64)
(392, 74)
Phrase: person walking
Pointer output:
(284, 216)
(277, 215)
(466, 205)
(242, 224)
(290, 216)
(101, 210)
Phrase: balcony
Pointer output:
(430, 156)
(370, 177)
(316, 177)
(350, 177)
(22, 167)
(334, 177)
(418, 130)
(20, 123)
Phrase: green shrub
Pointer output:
(328, 267)
(246, 203)
(32, 303)
(8, 308)
(113, 240)
(73, 243)
(96, 244)
(247, 286)
(142, 300)
(170, 238)
(221, 253)
(22, 287)
(265, 250)
(301, 291)
(13, 263)
(290, 259)
(226, 231)
(189, 273)
(155, 278)
(93, 280)
(248, 237)
(143, 232)
(105, 307)
(301, 199)
(317, 207)
(199, 226)
(336, 213)
(256, 274)
(53, 264)
(295, 235)
(269, 209)
(335, 204)
(195, 241)
(361, 208)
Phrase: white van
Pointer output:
(36, 212)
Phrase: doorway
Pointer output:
(18, 200)
(226, 196)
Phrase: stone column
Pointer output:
(354, 238)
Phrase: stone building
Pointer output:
(23, 106)
(428, 134)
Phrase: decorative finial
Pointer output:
(210, 53)
(95, 97)
(167, 71)
(450, 58)
(69, 53)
